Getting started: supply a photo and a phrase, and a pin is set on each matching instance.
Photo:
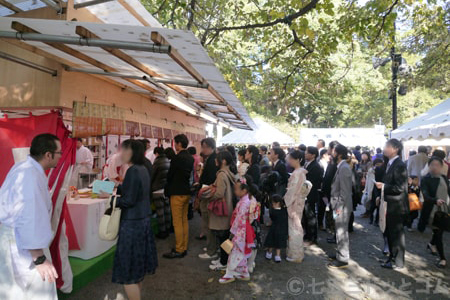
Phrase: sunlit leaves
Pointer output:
(317, 68)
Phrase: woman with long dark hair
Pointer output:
(136, 251)
(252, 157)
(232, 150)
(220, 225)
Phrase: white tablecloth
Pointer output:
(86, 215)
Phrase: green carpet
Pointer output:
(85, 271)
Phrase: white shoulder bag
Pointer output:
(382, 212)
(109, 223)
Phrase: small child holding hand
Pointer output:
(278, 232)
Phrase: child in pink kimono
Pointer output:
(242, 236)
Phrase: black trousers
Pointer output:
(222, 236)
(329, 220)
(162, 204)
(412, 216)
(436, 240)
(395, 235)
(425, 215)
(350, 222)
(309, 221)
(320, 211)
(373, 207)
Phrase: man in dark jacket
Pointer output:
(395, 185)
(208, 177)
(209, 167)
(326, 191)
(160, 169)
(315, 176)
(179, 190)
(357, 153)
(342, 205)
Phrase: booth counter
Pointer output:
(86, 214)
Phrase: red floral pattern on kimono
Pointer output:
(243, 240)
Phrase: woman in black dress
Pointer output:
(136, 251)
(278, 233)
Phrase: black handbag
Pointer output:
(442, 220)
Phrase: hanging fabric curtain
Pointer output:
(132, 128)
(16, 135)
(146, 131)
(157, 132)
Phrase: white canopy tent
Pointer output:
(264, 133)
(431, 127)
(350, 137)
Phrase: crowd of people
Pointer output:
(294, 192)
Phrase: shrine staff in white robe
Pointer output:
(84, 158)
(84, 162)
(26, 271)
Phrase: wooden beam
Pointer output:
(200, 101)
(66, 49)
(218, 111)
(56, 58)
(220, 98)
(86, 33)
(160, 40)
(63, 61)
(176, 56)
(10, 6)
(134, 13)
(227, 113)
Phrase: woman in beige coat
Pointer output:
(220, 225)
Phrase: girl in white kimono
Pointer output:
(297, 190)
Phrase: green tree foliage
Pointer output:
(310, 61)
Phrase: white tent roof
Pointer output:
(434, 124)
(262, 134)
(350, 137)
(126, 12)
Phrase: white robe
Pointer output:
(25, 217)
(84, 159)
(83, 164)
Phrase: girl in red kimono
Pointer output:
(242, 235)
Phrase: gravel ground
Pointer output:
(190, 278)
